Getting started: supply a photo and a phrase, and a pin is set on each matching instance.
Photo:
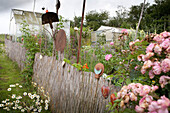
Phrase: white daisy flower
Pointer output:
(17, 84)
(7, 99)
(12, 85)
(19, 107)
(35, 110)
(20, 86)
(32, 96)
(46, 101)
(38, 99)
(19, 97)
(46, 104)
(25, 93)
(11, 103)
(9, 89)
(39, 110)
(41, 101)
(46, 108)
(13, 96)
(1, 105)
(17, 101)
(29, 94)
(38, 96)
(5, 108)
(8, 103)
(36, 103)
(35, 95)
(3, 101)
(14, 107)
(8, 109)
(22, 110)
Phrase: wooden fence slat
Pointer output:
(71, 90)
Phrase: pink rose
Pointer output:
(153, 107)
(150, 47)
(107, 57)
(145, 101)
(165, 65)
(159, 106)
(140, 57)
(156, 63)
(132, 96)
(147, 64)
(158, 39)
(147, 56)
(154, 88)
(145, 90)
(131, 43)
(168, 50)
(143, 71)
(169, 34)
(139, 109)
(124, 31)
(164, 80)
(164, 34)
(151, 74)
(156, 70)
(136, 67)
(111, 43)
(164, 101)
(165, 44)
(158, 49)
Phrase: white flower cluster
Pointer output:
(19, 102)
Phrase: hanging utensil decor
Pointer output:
(50, 17)
(60, 41)
(98, 70)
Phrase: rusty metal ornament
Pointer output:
(98, 70)
(60, 40)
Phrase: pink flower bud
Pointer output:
(111, 43)
(139, 109)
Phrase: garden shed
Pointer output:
(34, 21)
(109, 33)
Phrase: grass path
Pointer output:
(10, 74)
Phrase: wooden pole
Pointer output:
(79, 47)
(140, 19)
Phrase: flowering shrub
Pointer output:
(26, 101)
(155, 68)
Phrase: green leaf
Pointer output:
(117, 100)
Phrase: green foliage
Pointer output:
(94, 19)
(10, 74)
(32, 47)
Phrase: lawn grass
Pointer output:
(11, 74)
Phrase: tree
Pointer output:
(94, 19)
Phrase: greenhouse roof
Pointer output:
(28, 16)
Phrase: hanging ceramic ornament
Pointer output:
(105, 91)
(98, 70)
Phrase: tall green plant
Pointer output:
(30, 42)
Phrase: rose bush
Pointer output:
(153, 71)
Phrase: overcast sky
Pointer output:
(68, 9)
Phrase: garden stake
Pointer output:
(78, 55)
